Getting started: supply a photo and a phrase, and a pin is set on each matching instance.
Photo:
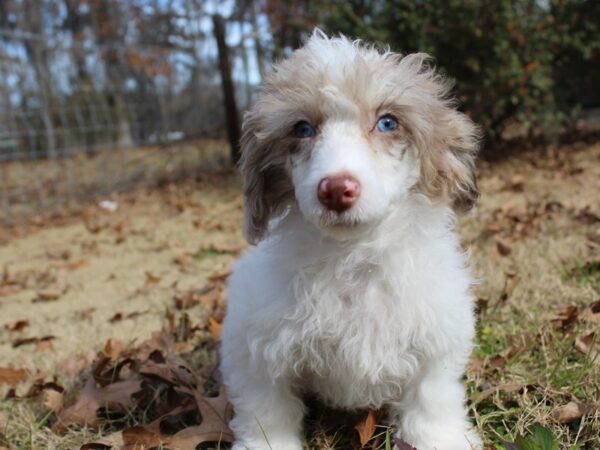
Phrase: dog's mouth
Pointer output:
(345, 221)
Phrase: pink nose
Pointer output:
(338, 192)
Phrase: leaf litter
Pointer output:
(155, 396)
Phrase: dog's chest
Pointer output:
(353, 347)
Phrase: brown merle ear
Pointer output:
(268, 189)
(448, 169)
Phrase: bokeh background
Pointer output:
(100, 95)
(121, 211)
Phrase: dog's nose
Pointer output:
(338, 192)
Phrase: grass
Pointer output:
(534, 241)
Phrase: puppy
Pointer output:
(354, 163)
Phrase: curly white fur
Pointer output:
(371, 307)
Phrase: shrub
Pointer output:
(522, 64)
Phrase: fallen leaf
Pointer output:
(366, 428)
(476, 366)
(497, 362)
(116, 396)
(503, 248)
(9, 289)
(18, 325)
(141, 438)
(44, 346)
(569, 412)
(74, 265)
(219, 276)
(481, 306)
(584, 343)
(11, 376)
(207, 296)
(215, 329)
(220, 249)
(216, 412)
(54, 400)
(506, 387)
(113, 349)
(567, 315)
(591, 313)
(587, 217)
(120, 316)
(31, 340)
(151, 280)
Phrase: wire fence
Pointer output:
(99, 96)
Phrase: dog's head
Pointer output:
(346, 132)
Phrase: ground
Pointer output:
(72, 283)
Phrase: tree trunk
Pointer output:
(260, 53)
(231, 113)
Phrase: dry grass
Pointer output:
(32, 186)
(530, 238)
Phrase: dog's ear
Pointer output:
(449, 167)
(267, 185)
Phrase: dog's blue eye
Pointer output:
(303, 129)
(387, 123)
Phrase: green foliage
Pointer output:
(514, 61)
(538, 438)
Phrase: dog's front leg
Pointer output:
(432, 413)
(267, 415)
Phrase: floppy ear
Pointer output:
(449, 167)
(268, 189)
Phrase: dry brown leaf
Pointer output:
(215, 329)
(9, 289)
(221, 248)
(569, 412)
(506, 387)
(56, 286)
(173, 371)
(591, 313)
(481, 305)
(208, 296)
(584, 343)
(216, 412)
(31, 340)
(503, 248)
(113, 349)
(366, 427)
(476, 366)
(74, 265)
(567, 315)
(151, 280)
(138, 438)
(510, 284)
(117, 396)
(17, 325)
(120, 316)
(44, 346)
(11, 376)
(497, 362)
(54, 399)
(219, 276)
